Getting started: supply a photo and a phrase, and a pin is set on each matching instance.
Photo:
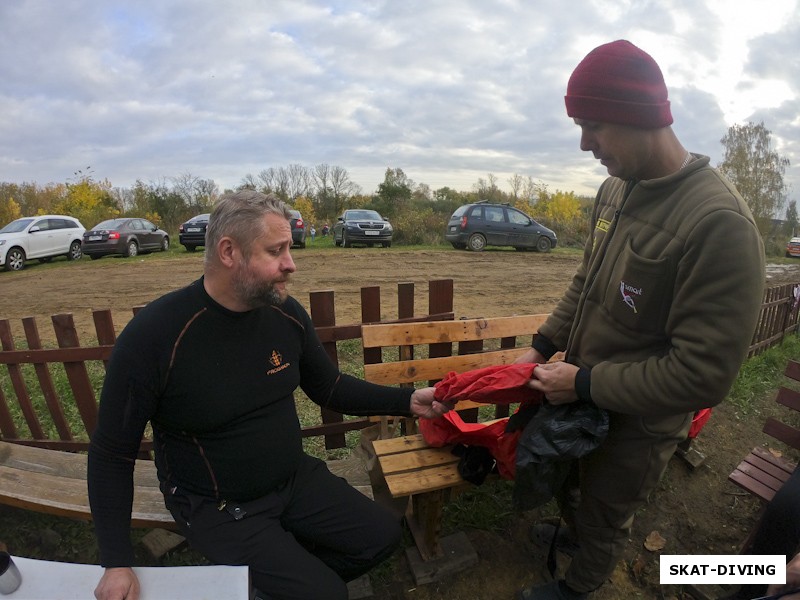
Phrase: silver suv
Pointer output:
(42, 237)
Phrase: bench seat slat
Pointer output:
(425, 480)
(418, 460)
(67, 497)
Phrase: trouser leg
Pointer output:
(302, 541)
(779, 529)
(615, 481)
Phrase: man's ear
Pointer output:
(228, 252)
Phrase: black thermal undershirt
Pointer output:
(217, 387)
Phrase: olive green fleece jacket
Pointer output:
(663, 307)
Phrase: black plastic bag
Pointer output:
(552, 439)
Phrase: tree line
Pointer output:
(418, 213)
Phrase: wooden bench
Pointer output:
(411, 468)
(762, 473)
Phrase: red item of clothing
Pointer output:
(698, 422)
(498, 384)
(450, 428)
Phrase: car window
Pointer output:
(460, 211)
(136, 224)
(363, 215)
(147, 225)
(58, 224)
(43, 224)
(493, 214)
(517, 217)
(68, 224)
(16, 226)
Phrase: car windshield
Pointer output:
(16, 226)
(362, 215)
(199, 218)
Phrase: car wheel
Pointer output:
(75, 251)
(165, 244)
(543, 244)
(132, 249)
(15, 259)
(477, 242)
(345, 242)
(190, 248)
(335, 241)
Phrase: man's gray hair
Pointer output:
(239, 215)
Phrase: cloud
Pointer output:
(447, 91)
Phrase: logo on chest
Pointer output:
(629, 294)
(276, 364)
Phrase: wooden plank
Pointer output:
(427, 480)
(782, 432)
(70, 465)
(793, 370)
(20, 388)
(436, 368)
(399, 444)
(788, 398)
(77, 375)
(67, 497)
(450, 331)
(417, 460)
(46, 382)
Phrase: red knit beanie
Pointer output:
(619, 83)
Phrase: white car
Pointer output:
(42, 237)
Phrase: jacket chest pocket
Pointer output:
(638, 292)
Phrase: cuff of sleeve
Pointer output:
(583, 384)
(545, 347)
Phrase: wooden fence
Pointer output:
(78, 403)
(65, 416)
(778, 317)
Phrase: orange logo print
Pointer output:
(275, 358)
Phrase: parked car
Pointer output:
(361, 226)
(42, 237)
(298, 229)
(793, 247)
(128, 236)
(192, 233)
(482, 224)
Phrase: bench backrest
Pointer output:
(427, 352)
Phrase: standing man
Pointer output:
(659, 315)
(213, 367)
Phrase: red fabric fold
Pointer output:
(450, 428)
(499, 384)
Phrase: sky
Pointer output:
(448, 91)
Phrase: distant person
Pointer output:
(213, 368)
(313, 233)
(659, 315)
(325, 230)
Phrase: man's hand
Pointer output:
(424, 405)
(556, 381)
(119, 583)
(792, 580)
(531, 356)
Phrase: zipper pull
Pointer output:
(222, 504)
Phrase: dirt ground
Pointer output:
(695, 510)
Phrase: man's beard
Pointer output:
(256, 293)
